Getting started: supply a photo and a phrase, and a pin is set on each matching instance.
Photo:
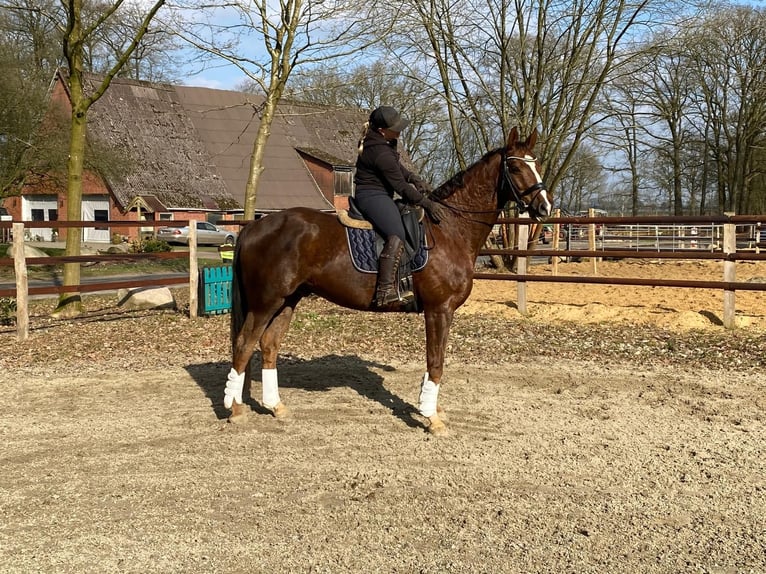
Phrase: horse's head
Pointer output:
(521, 176)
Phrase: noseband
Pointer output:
(518, 196)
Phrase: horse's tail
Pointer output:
(238, 298)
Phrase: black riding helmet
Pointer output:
(389, 118)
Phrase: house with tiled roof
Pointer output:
(187, 155)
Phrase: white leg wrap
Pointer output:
(429, 396)
(270, 388)
(233, 390)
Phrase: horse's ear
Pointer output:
(513, 137)
(531, 140)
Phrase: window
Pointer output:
(38, 215)
(101, 215)
(344, 181)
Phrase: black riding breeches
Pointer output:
(379, 207)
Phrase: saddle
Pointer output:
(365, 244)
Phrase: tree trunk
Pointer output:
(70, 304)
(259, 149)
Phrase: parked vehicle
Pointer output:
(546, 236)
(207, 234)
(582, 230)
(596, 213)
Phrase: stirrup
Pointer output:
(390, 294)
(386, 295)
(407, 296)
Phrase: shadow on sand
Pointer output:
(319, 374)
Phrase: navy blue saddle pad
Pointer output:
(364, 255)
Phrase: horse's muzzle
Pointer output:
(540, 206)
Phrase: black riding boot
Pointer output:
(387, 291)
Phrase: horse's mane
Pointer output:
(457, 181)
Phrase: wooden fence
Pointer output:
(724, 250)
(23, 291)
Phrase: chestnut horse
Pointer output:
(283, 257)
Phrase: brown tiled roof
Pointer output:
(190, 147)
(165, 156)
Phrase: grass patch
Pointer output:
(315, 322)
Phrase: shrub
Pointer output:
(149, 246)
(7, 311)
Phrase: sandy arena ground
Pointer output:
(569, 465)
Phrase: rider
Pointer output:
(380, 174)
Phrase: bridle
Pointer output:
(505, 184)
(518, 196)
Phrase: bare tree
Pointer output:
(83, 95)
(666, 93)
(367, 86)
(28, 58)
(153, 59)
(22, 102)
(497, 63)
(622, 142)
(728, 58)
(33, 27)
(583, 182)
(292, 33)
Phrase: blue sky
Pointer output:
(213, 26)
(222, 77)
(225, 76)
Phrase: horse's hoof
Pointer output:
(436, 426)
(238, 415)
(237, 418)
(280, 411)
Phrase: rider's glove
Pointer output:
(435, 211)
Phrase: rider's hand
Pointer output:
(424, 187)
(434, 210)
(420, 184)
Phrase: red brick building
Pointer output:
(187, 154)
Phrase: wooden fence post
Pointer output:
(592, 241)
(729, 273)
(522, 241)
(555, 243)
(193, 271)
(22, 283)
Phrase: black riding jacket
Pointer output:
(378, 167)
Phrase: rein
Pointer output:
(461, 210)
